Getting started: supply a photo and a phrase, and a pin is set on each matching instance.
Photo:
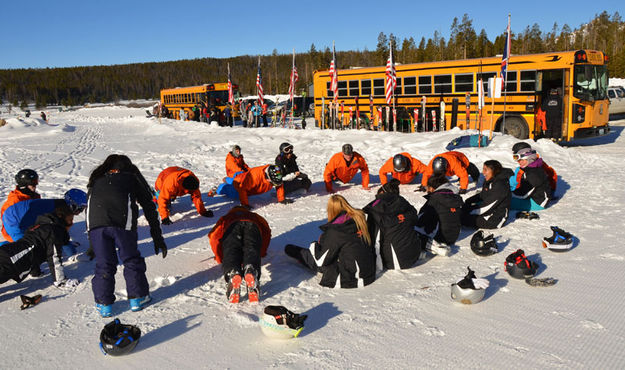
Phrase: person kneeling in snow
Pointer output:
(344, 254)
(238, 240)
(344, 166)
(439, 218)
(450, 164)
(287, 160)
(42, 242)
(489, 208)
(391, 221)
(175, 182)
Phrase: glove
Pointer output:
(286, 201)
(159, 245)
(480, 283)
(66, 283)
(421, 188)
(166, 221)
(462, 191)
(90, 253)
(207, 213)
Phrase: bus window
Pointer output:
(511, 81)
(425, 84)
(410, 86)
(591, 82)
(442, 84)
(398, 86)
(378, 87)
(353, 88)
(365, 87)
(463, 82)
(329, 91)
(342, 91)
(528, 80)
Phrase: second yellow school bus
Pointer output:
(579, 77)
(215, 94)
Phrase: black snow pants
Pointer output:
(241, 246)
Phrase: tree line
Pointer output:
(80, 85)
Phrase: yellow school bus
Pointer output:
(187, 97)
(579, 78)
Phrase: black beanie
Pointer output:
(191, 183)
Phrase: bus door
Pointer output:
(552, 88)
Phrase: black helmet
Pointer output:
(348, 149)
(520, 145)
(483, 246)
(400, 163)
(439, 165)
(286, 148)
(117, 339)
(234, 149)
(518, 266)
(275, 174)
(26, 177)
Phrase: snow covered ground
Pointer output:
(405, 319)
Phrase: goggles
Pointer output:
(287, 150)
(517, 157)
(78, 209)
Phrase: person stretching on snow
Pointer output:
(402, 167)
(455, 163)
(27, 181)
(175, 182)
(239, 239)
(344, 166)
(259, 180)
(42, 242)
(235, 163)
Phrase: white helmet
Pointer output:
(280, 323)
(469, 290)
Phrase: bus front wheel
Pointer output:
(516, 127)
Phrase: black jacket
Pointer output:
(343, 256)
(534, 184)
(439, 218)
(289, 165)
(391, 221)
(113, 202)
(492, 204)
(42, 242)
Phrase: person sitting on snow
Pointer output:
(533, 191)
(439, 218)
(344, 254)
(42, 242)
(516, 178)
(344, 166)
(453, 163)
(391, 220)
(235, 163)
(287, 160)
(402, 167)
(175, 182)
(239, 239)
(27, 181)
(489, 208)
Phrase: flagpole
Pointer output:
(505, 81)
(390, 43)
(292, 88)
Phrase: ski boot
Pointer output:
(560, 240)
(528, 215)
(213, 191)
(437, 248)
(233, 287)
(137, 304)
(105, 310)
(251, 281)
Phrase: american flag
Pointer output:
(230, 92)
(294, 79)
(259, 85)
(334, 78)
(391, 79)
(506, 56)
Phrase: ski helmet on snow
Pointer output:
(348, 149)
(234, 149)
(439, 165)
(275, 174)
(279, 322)
(483, 245)
(519, 267)
(400, 163)
(117, 339)
(191, 183)
(465, 291)
(26, 177)
(560, 240)
(520, 145)
(76, 199)
(286, 148)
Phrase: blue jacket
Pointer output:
(22, 215)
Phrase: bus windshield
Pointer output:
(591, 82)
(218, 97)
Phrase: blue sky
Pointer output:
(64, 33)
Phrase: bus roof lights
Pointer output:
(211, 87)
(580, 56)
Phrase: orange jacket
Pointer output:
(234, 215)
(234, 165)
(416, 167)
(458, 164)
(15, 196)
(169, 186)
(552, 175)
(255, 182)
(337, 169)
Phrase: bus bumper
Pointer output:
(584, 133)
